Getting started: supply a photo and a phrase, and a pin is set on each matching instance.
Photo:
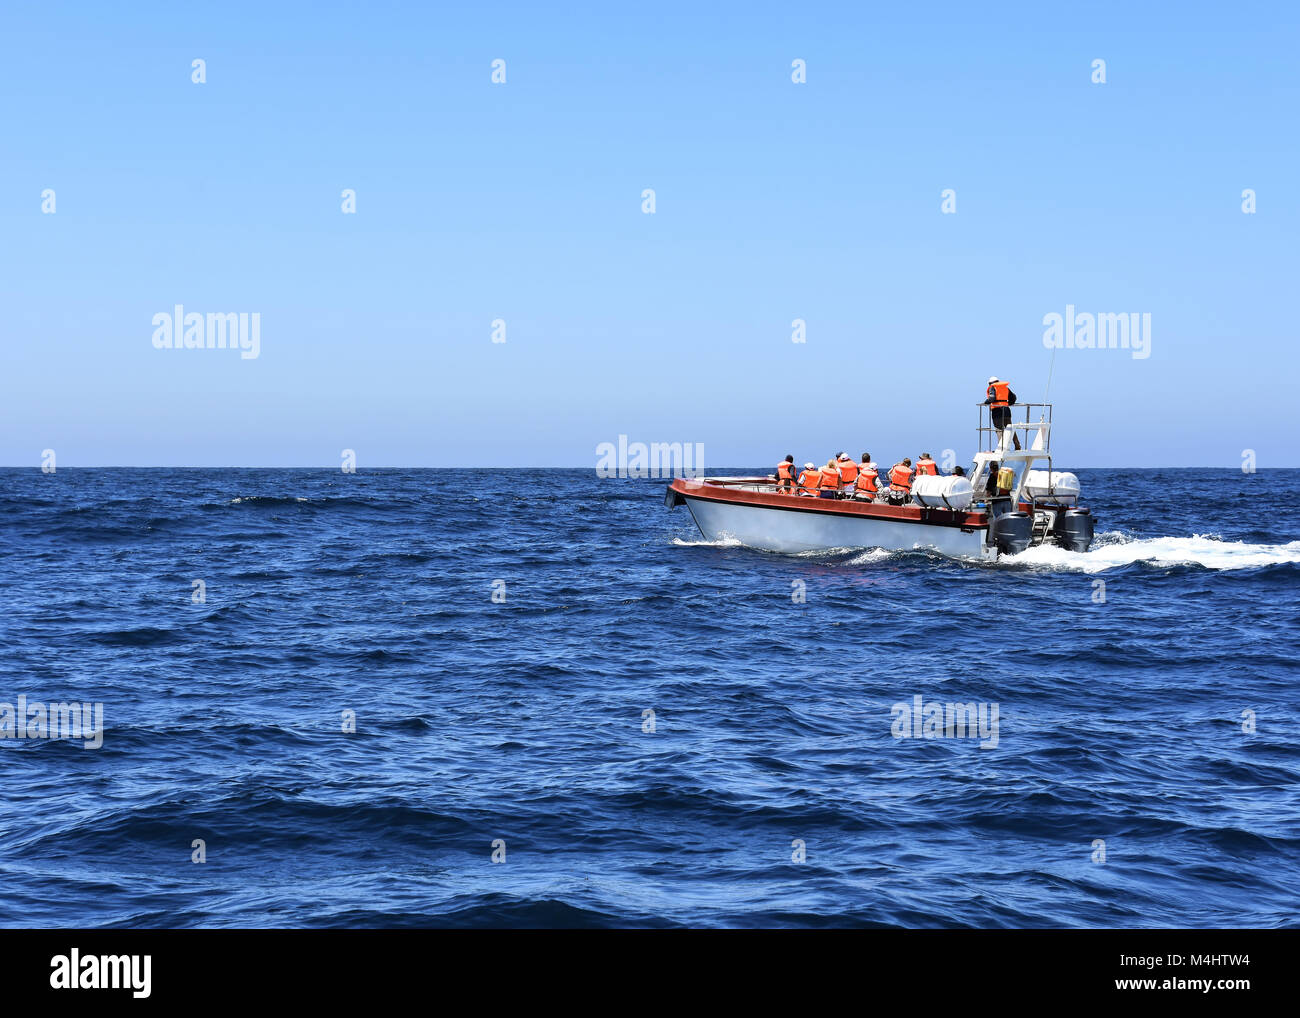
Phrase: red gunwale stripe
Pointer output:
(805, 504)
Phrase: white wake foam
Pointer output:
(871, 555)
(1111, 550)
(722, 542)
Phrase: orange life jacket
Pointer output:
(900, 477)
(809, 481)
(784, 473)
(1001, 394)
(926, 467)
(830, 479)
(867, 480)
(848, 471)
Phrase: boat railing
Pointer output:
(736, 481)
(764, 485)
(1026, 419)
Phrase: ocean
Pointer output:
(410, 698)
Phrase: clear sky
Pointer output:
(522, 201)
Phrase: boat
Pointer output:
(1031, 504)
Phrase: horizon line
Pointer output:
(530, 466)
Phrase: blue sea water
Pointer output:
(523, 722)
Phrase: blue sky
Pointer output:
(523, 202)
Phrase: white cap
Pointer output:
(993, 379)
(844, 458)
(809, 466)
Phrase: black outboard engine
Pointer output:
(1074, 529)
(1011, 532)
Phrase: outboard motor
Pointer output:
(1074, 529)
(1011, 532)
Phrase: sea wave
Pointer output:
(1113, 550)
(382, 678)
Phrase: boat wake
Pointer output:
(870, 556)
(722, 542)
(1113, 550)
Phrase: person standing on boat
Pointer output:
(999, 398)
(926, 465)
(830, 482)
(785, 476)
(810, 480)
(848, 472)
(867, 474)
(991, 480)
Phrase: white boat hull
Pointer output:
(792, 530)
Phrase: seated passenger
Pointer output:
(900, 481)
(865, 485)
(848, 472)
(830, 482)
(785, 476)
(810, 480)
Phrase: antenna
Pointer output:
(1047, 392)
